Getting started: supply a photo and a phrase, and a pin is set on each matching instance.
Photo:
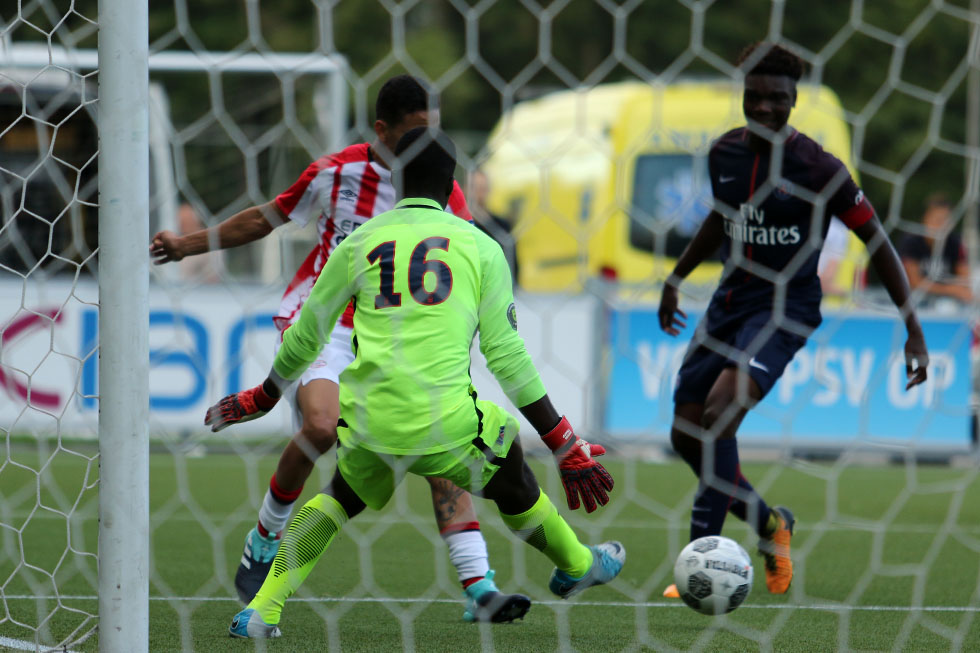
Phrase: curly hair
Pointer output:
(433, 166)
(400, 96)
(774, 60)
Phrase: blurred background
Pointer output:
(583, 130)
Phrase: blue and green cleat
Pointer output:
(607, 562)
(484, 602)
(255, 565)
(247, 624)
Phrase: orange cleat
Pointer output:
(775, 550)
(671, 592)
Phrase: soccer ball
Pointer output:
(713, 575)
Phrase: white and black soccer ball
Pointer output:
(713, 575)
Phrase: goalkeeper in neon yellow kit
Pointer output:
(424, 283)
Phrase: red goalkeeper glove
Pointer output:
(240, 407)
(580, 473)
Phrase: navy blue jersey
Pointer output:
(775, 222)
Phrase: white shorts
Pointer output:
(334, 357)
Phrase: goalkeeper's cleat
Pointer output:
(775, 550)
(607, 562)
(255, 565)
(671, 592)
(484, 602)
(247, 624)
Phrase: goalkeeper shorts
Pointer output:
(373, 476)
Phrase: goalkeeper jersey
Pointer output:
(340, 191)
(424, 282)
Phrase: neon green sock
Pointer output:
(308, 536)
(544, 529)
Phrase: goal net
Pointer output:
(583, 130)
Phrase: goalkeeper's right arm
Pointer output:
(240, 229)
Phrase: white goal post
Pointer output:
(124, 204)
(129, 136)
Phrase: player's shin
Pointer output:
(309, 535)
(467, 551)
(750, 507)
(543, 528)
(715, 495)
(276, 507)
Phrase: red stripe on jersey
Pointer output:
(457, 203)
(755, 169)
(302, 282)
(858, 214)
(368, 192)
(305, 271)
(352, 154)
(347, 319)
(308, 268)
(287, 200)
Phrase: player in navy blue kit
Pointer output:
(775, 190)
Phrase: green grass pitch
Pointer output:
(887, 558)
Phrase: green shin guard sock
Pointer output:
(544, 529)
(308, 536)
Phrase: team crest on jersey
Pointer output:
(500, 437)
(512, 316)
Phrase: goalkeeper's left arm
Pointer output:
(301, 344)
(582, 476)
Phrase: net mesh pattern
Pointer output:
(229, 132)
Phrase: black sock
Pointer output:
(740, 508)
(689, 449)
(712, 502)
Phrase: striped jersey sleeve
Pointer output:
(300, 201)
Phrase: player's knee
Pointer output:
(320, 433)
(680, 440)
(529, 483)
(720, 419)
(713, 412)
(345, 496)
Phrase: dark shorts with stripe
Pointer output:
(752, 344)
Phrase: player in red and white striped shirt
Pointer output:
(342, 191)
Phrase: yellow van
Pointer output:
(612, 181)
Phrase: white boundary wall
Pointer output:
(208, 341)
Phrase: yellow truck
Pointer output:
(612, 181)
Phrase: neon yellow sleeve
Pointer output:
(503, 347)
(302, 342)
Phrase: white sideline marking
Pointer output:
(609, 604)
(638, 524)
(24, 645)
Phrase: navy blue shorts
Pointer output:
(771, 351)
